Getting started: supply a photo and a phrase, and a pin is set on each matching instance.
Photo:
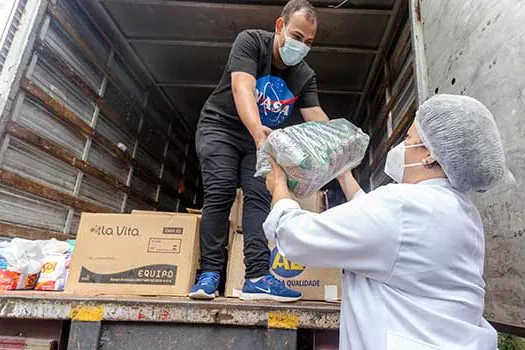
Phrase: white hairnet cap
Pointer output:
(463, 137)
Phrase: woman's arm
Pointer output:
(362, 236)
(349, 185)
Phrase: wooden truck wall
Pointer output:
(81, 132)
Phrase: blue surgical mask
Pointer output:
(293, 51)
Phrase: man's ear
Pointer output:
(279, 25)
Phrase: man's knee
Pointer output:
(258, 194)
(220, 194)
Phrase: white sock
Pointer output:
(255, 279)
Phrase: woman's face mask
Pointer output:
(395, 161)
(293, 51)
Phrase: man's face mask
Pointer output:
(293, 51)
(395, 161)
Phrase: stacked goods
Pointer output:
(27, 264)
(313, 154)
(20, 264)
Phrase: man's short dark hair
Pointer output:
(294, 6)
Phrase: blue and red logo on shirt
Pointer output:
(274, 99)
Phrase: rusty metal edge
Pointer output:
(20, 231)
(128, 54)
(385, 146)
(176, 310)
(390, 30)
(172, 141)
(71, 119)
(401, 49)
(58, 152)
(60, 65)
(30, 186)
(77, 125)
(380, 122)
(417, 28)
(55, 12)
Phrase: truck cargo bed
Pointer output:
(225, 311)
(140, 322)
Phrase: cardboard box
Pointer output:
(314, 283)
(199, 216)
(316, 203)
(152, 212)
(236, 211)
(139, 254)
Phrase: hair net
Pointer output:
(463, 137)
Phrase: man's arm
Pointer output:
(243, 89)
(309, 103)
(314, 114)
(242, 65)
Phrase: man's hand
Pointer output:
(276, 182)
(260, 135)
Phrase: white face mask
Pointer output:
(395, 161)
(293, 51)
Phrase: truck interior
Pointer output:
(107, 94)
(106, 111)
(362, 56)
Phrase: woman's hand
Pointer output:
(349, 185)
(276, 179)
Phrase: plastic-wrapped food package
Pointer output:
(20, 264)
(314, 153)
(8, 276)
(55, 265)
(53, 274)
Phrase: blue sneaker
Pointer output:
(269, 288)
(206, 286)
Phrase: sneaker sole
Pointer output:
(262, 296)
(202, 295)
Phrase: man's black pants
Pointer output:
(228, 157)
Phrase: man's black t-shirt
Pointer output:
(278, 90)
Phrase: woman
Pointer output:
(412, 253)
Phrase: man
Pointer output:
(264, 80)
(412, 252)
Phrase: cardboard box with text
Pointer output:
(138, 254)
(315, 283)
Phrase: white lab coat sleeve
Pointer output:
(362, 236)
(359, 194)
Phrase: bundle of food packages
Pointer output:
(314, 153)
(28, 264)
